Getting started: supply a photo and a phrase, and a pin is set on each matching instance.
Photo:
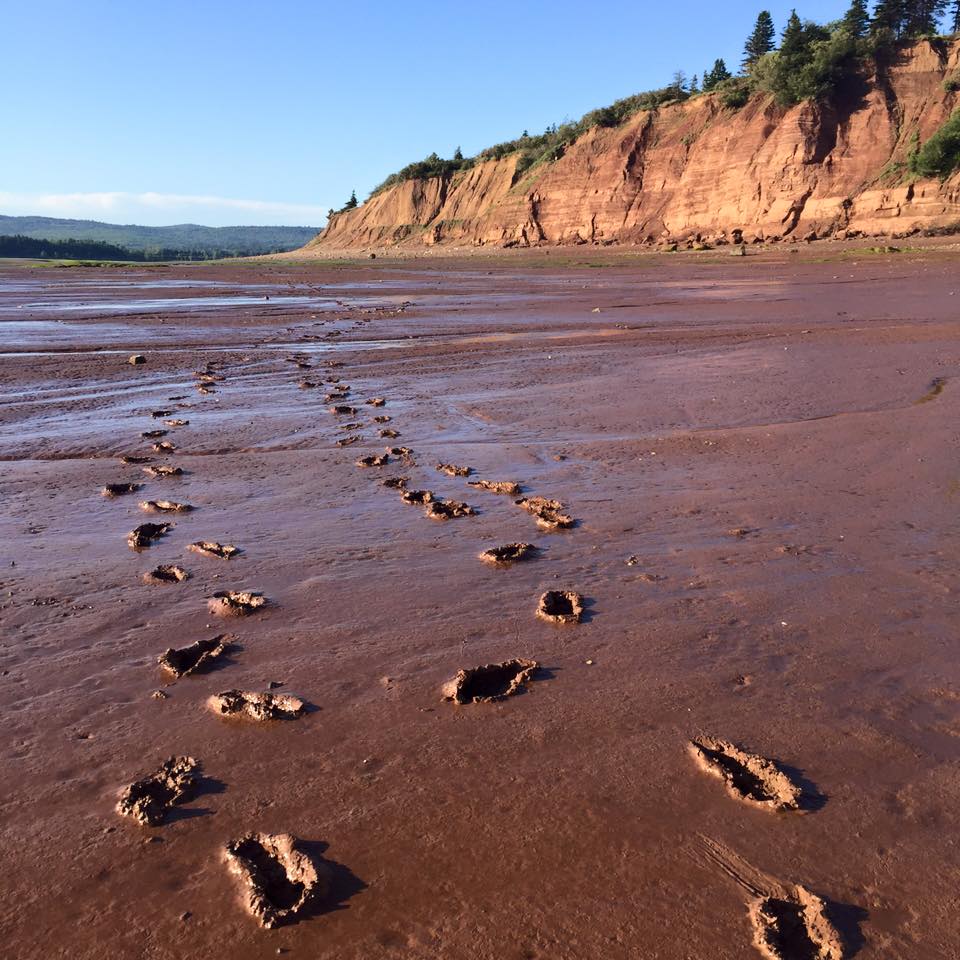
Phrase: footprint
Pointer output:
(383, 418)
(507, 487)
(560, 606)
(205, 389)
(376, 402)
(336, 396)
(380, 460)
(548, 513)
(452, 470)
(448, 509)
(143, 536)
(186, 660)
(154, 434)
(177, 423)
(257, 706)
(417, 496)
(166, 573)
(344, 411)
(278, 880)
(165, 506)
(136, 359)
(795, 927)
(163, 446)
(163, 470)
(119, 489)
(511, 553)
(160, 414)
(236, 603)
(402, 453)
(134, 459)
(348, 441)
(149, 800)
(388, 434)
(211, 548)
(306, 384)
(493, 682)
(395, 483)
(748, 777)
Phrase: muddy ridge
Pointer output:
(148, 801)
(257, 706)
(144, 535)
(197, 656)
(795, 927)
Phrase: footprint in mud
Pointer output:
(278, 880)
(748, 777)
(491, 683)
(136, 359)
(306, 384)
(163, 470)
(164, 506)
(205, 389)
(236, 603)
(210, 548)
(795, 927)
(383, 418)
(380, 460)
(388, 434)
(417, 496)
(336, 396)
(344, 411)
(177, 423)
(349, 441)
(511, 553)
(452, 470)
(376, 402)
(154, 434)
(148, 801)
(257, 706)
(166, 573)
(448, 509)
(163, 446)
(160, 414)
(119, 489)
(937, 386)
(560, 606)
(506, 487)
(548, 513)
(194, 658)
(395, 483)
(129, 458)
(147, 533)
(349, 427)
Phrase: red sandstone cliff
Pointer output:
(697, 168)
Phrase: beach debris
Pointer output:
(795, 927)
(163, 470)
(344, 411)
(163, 446)
(395, 483)
(256, 705)
(560, 606)
(149, 800)
(380, 460)
(748, 777)
(347, 441)
(278, 880)
(417, 496)
(490, 683)
(452, 470)
(154, 434)
(141, 537)
(510, 553)
(166, 573)
(119, 489)
(211, 548)
(388, 434)
(165, 506)
(176, 422)
(236, 603)
(136, 359)
(195, 657)
(448, 509)
(376, 402)
(506, 487)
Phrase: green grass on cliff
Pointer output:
(940, 155)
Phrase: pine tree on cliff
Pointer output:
(923, 17)
(793, 42)
(857, 19)
(955, 17)
(890, 15)
(760, 41)
(351, 204)
(719, 73)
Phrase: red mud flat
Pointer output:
(746, 432)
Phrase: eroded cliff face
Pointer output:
(698, 168)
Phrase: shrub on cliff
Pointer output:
(940, 155)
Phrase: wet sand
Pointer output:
(766, 542)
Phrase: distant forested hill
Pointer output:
(220, 241)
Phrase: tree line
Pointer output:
(20, 246)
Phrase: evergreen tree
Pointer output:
(718, 73)
(792, 43)
(679, 85)
(922, 17)
(351, 204)
(458, 154)
(890, 15)
(857, 19)
(694, 85)
(760, 41)
(954, 20)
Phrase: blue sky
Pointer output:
(271, 112)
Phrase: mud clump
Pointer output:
(349, 441)
(560, 606)
(380, 460)
(344, 411)
(795, 927)
(149, 800)
(143, 536)
(211, 548)
(119, 489)
(748, 777)
(511, 553)
(452, 470)
(507, 487)
(548, 513)
(448, 509)
(491, 683)
(257, 706)
(417, 496)
(162, 470)
(236, 603)
(395, 483)
(164, 506)
(186, 660)
(166, 573)
(278, 880)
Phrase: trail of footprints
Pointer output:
(277, 878)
